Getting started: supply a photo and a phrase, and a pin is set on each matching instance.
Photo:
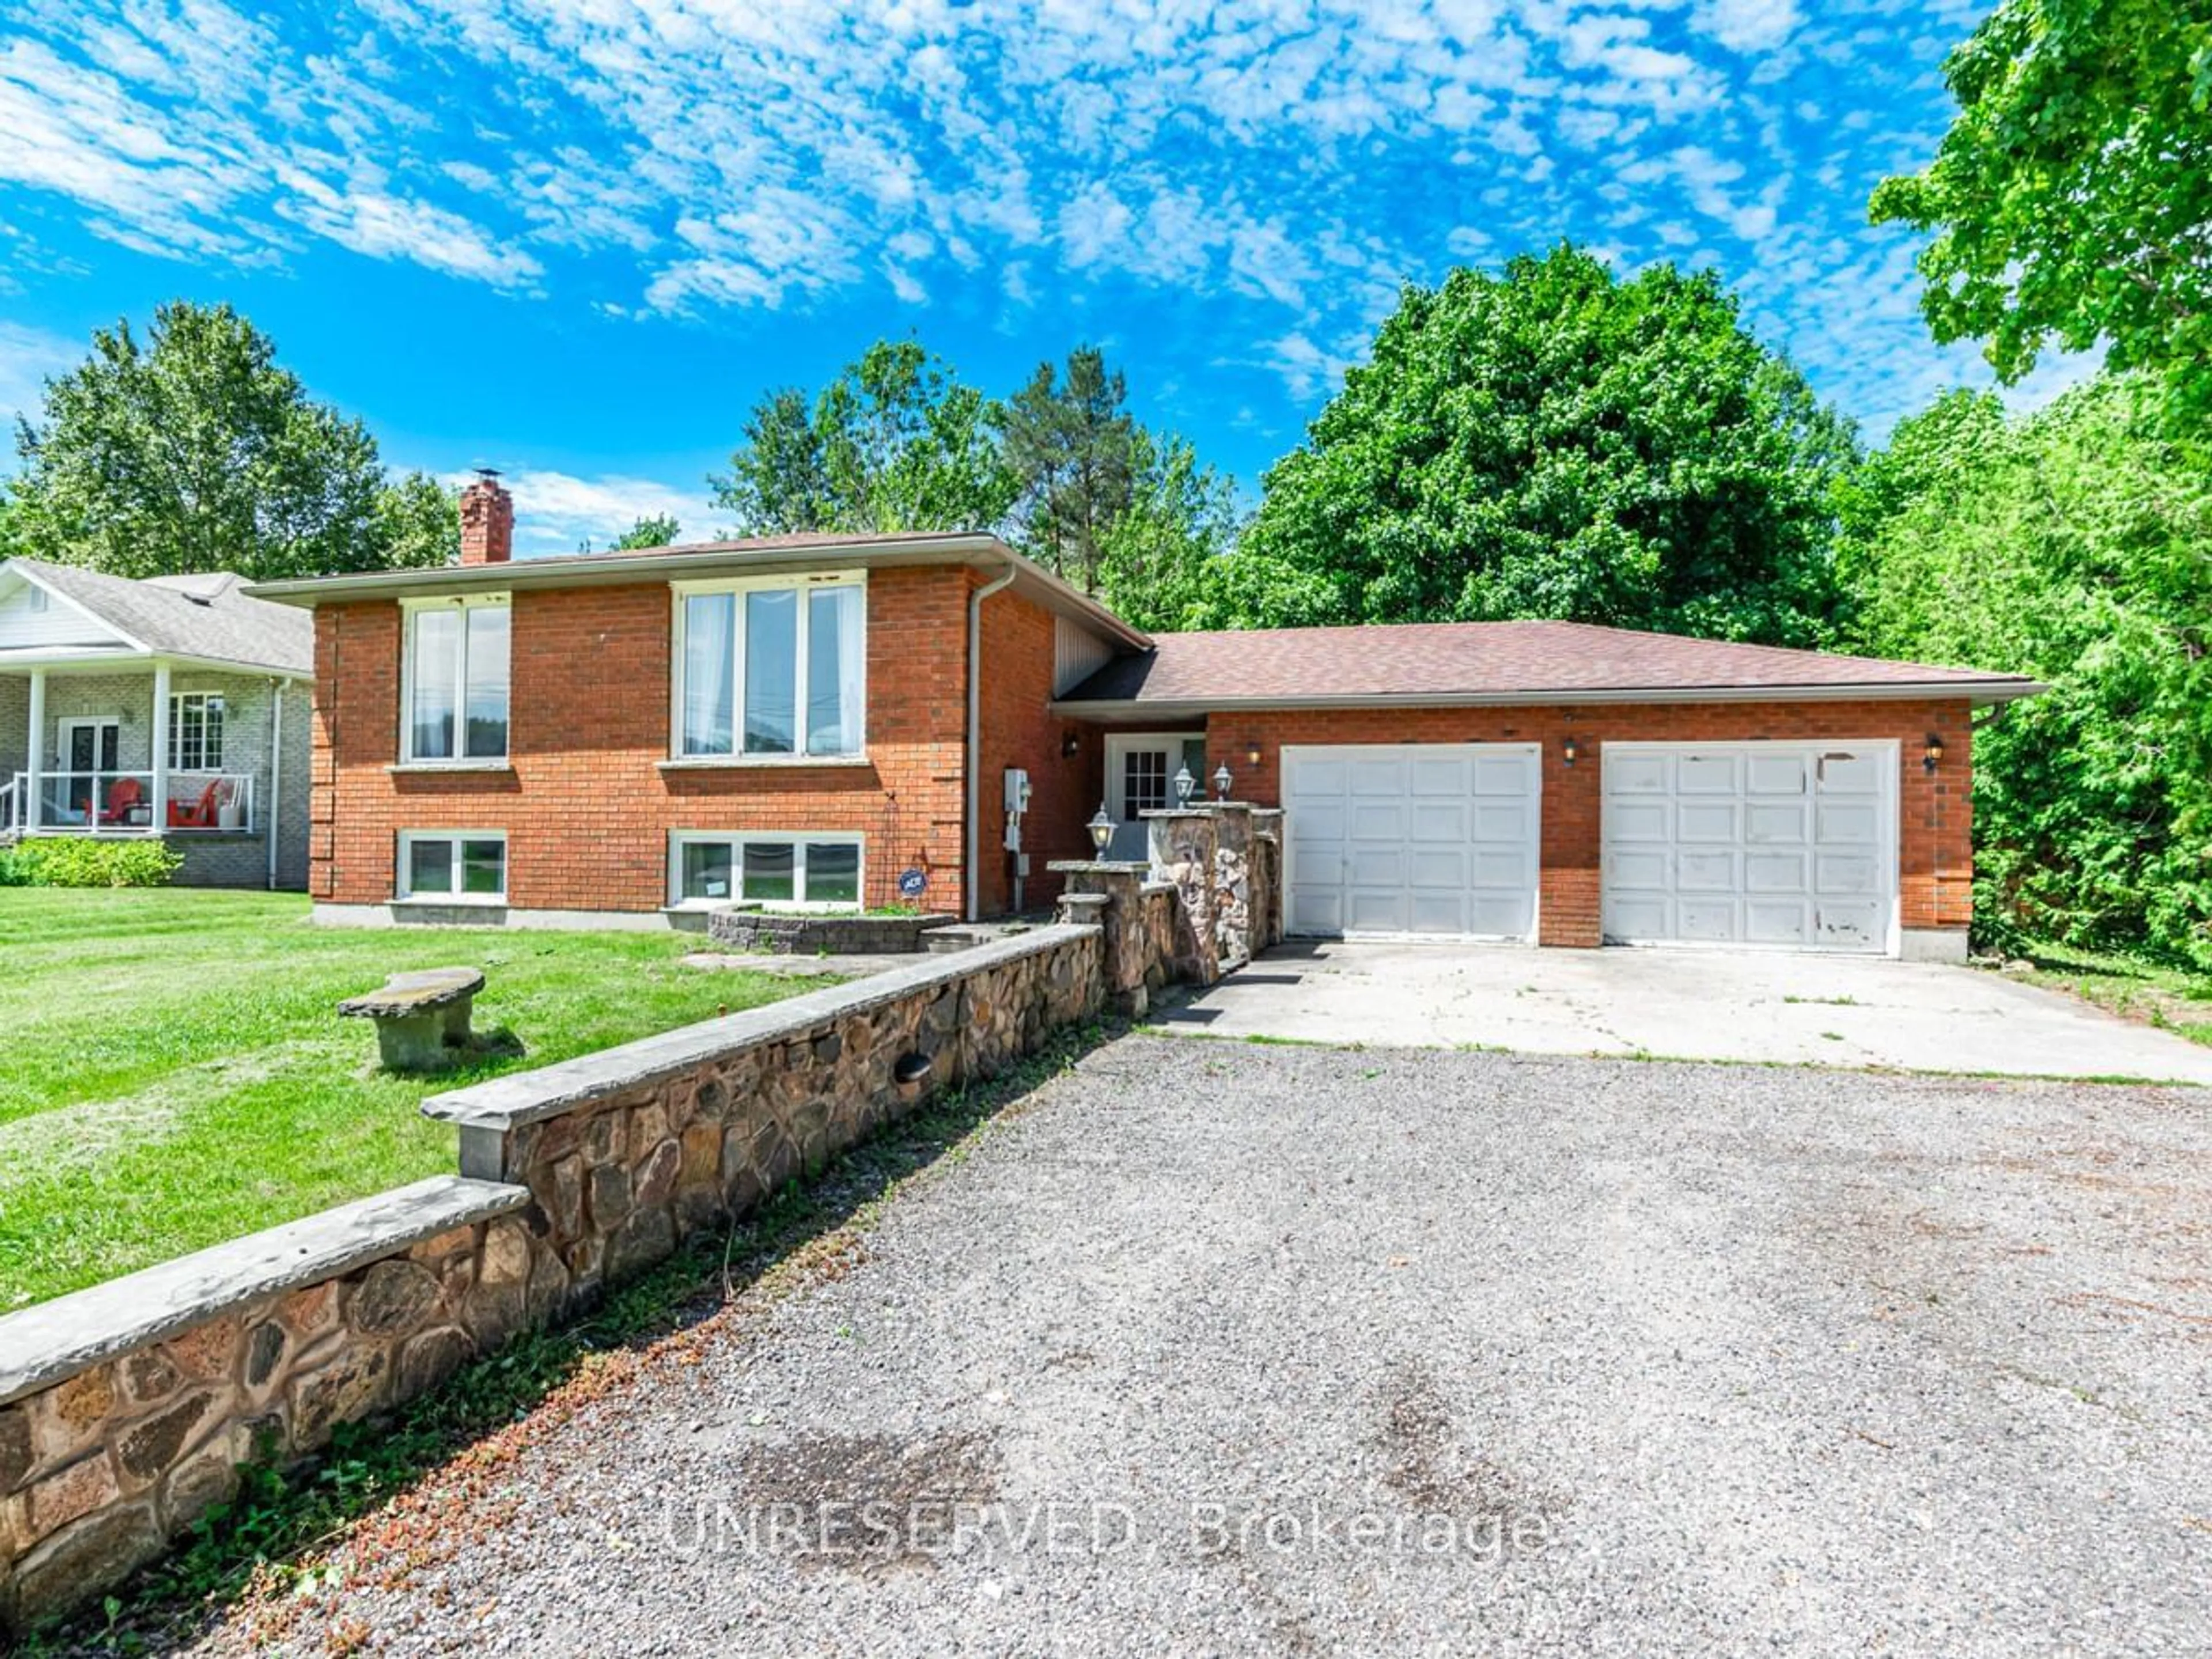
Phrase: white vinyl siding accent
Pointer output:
(1781, 845)
(1077, 654)
(32, 619)
(1413, 840)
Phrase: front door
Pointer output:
(1140, 773)
(90, 748)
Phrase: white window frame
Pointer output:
(177, 702)
(736, 840)
(402, 894)
(459, 760)
(803, 585)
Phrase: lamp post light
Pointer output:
(1102, 830)
(1184, 785)
(1221, 782)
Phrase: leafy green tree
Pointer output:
(895, 442)
(2072, 197)
(1555, 441)
(651, 530)
(194, 451)
(1073, 445)
(1160, 559)
(418, 522)
(2074, 545)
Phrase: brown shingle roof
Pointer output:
(1535, 661)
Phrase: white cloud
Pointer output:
(1277, 167)
(27, 357)
(556, 512)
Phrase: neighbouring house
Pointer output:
(174, 708)
(842, 721)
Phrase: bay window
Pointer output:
(771, 669)
(817, 871)
(456, 679)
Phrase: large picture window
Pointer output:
(195, 732)
(820, 871)
(457, 681)
(769, 670)
(462, 864)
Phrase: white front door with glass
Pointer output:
(92, 753)
(1140, 778)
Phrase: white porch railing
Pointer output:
(94, 803)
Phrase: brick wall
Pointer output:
(1935, 855)
(1016, 729)
(586, 806)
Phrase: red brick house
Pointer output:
(631, 739)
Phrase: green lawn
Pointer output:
(2172, 999)
(173, 1072)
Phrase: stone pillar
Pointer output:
(1266, 878)
(1112, 895)
(1232, 884)
(1185, 842)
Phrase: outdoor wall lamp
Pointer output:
(1252, 754)
(1070, 746)
(1568, 749)
(1184, 785)
(1222, 780)
(1932, 756)
(1102, 828)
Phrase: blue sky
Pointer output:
(578, 239)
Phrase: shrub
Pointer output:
(81, 861)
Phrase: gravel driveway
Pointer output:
(1232, 1348)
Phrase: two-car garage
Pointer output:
(1748, 844)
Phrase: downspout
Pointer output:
(975, 730)
(272, 815)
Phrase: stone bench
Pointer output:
(422, 1017)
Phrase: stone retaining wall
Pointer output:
(125, 1409)
(796, 933)
(625, 1152)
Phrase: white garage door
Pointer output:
(1412, 839)
(1751, 843)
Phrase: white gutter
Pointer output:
(1126, 709)
(976, 730)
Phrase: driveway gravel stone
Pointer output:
(1222, 1347)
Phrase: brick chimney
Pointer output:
(487, 520)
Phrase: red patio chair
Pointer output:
(199, 816)
(122, 795)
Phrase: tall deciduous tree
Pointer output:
(1554, 441)
(2074, 544)
(1073, 445)
(418, 522)
(195, 451)
(651, 530)
(1160, 559)
(895, 442)
(2072, 198)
